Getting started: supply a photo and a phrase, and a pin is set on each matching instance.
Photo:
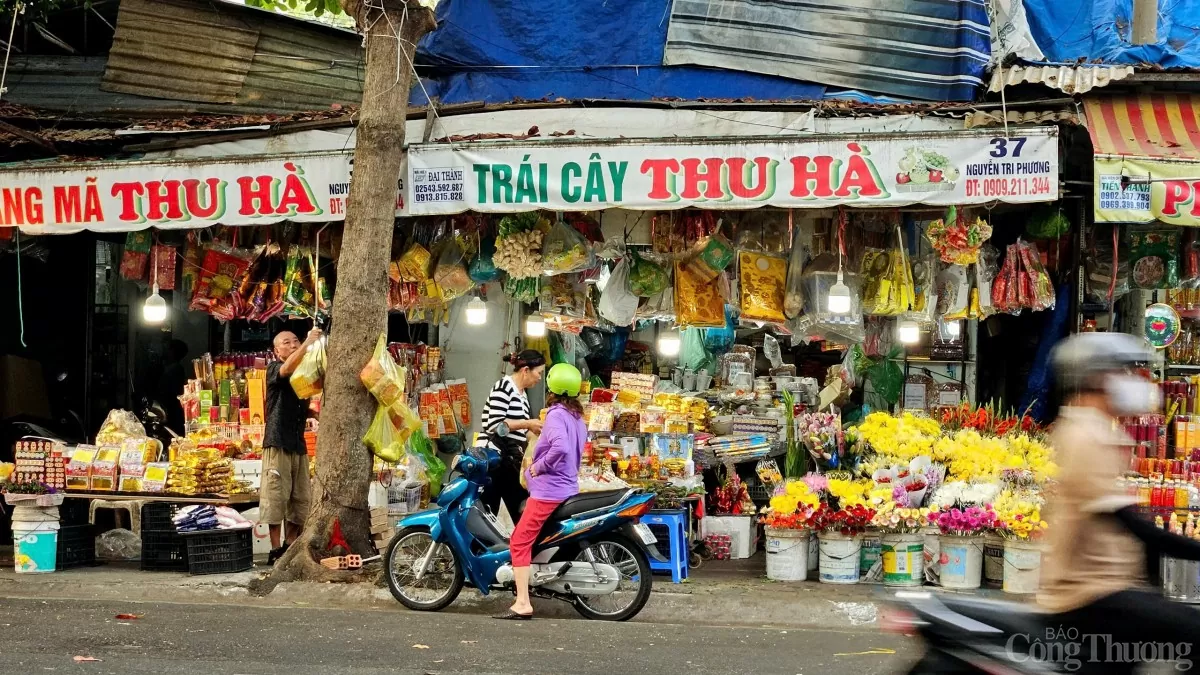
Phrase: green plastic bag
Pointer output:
(382, 437)
(420, 446)
(692, 354)
(646, 278)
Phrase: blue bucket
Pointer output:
(35, 550)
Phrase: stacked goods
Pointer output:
(202, 471)
(31, 459)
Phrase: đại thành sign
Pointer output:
(171, 194)
(897, 169)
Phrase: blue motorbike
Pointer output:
(591, 552)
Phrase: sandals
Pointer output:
(513, 616)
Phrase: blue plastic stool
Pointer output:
(675, 524)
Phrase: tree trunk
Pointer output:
(343, 467)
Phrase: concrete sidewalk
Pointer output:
(734, 593)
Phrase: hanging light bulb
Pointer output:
(909, 332)
(535, 326)
(669, 343)
(477, 312)
(155, 309)
(839, 296)
(954, 328)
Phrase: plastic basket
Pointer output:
(219, 551)
(76, 546)
(160, 516)
(662, 534)
(163, 551)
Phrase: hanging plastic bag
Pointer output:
(692, 354)
(1154, 258)
(382, 438)
(793, 295)
(135, 256)
(646, 278)
(451, 272)
(956, 238)
(1048, 222)
(420, 446)
(772, 351)
(617, 304)
(762, 279)
(711, 256)
(519, 245)
(564, 250)
(483, 269)
(309, 377)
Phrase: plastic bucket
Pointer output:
(787, 554)
(1181, 579)
(868, 565)
(960, 561)
(1023, 566)
(840, 558)
(814, 553)
(993, 561)
(903, 558)
(35, 549)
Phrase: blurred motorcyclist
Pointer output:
(1101, 550)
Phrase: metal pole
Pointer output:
(1145, 22)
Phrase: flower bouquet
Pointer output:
(963, 495)
(793, 509)
(969, 522)
(893, 518)
(849, 520)
(1021, 517)
(821, 434)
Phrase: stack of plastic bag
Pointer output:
(394, 421)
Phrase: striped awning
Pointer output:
(1162, 126)
(1147, 150)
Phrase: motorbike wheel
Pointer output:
(443, 579)
(634, 588)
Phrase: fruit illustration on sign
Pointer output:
(923, 170)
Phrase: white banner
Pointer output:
(867, 170)
(169, 194)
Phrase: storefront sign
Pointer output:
(122, 196)
(1171, 196)
(870, 170)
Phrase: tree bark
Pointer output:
(343, 462)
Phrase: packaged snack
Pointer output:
(105, 469)
(414, 264)
(763, 278)
(309, 377)
(601, 418)
(646, 278)
(154, 479)
(697, 302)
(136, 255)
(79, 469)
(522, 290)
(1154, 258)
(221, 270)
(451, 272)
(193, 258)
(565, 250)
(460, 398)
(519, 245)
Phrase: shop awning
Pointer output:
(1147, 151)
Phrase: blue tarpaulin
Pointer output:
(1099, 31)
(497, 51)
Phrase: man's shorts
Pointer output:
(285, 491)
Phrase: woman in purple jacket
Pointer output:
(553, 477)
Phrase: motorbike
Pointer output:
(971, 635)
(592, 552)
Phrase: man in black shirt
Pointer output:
(285, 484)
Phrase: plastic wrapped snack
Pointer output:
(565, 250)
(710, 256)
(309, 377)
(519, 246)
(763, 278)
(451, 272)
(414, 264)
(646, 278)
(1154, 258)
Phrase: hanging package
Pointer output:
(565, 250)
(646, 278)
(451, 272)
(135, 256)
(698, 302)
(617, 304)
(762, 279)
(483, 269)
(309, 377)
(1154, 258)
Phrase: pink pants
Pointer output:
(535, 515)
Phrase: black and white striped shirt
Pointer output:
(505, 402)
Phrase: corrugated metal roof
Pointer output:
(1069, 79)
(179, 50)
(328, 71)
(994, 118)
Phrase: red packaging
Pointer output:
(1160, 440)
(136, 255)
(163, 266)
(220, 273)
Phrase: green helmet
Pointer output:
(564, 379)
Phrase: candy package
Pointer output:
(414, 264)
(451, 272)
(163, 267)
(136, 255)
(711, 256)
(221, 270)
(762, 283)
(1154, 258)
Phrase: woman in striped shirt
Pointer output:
(508, 403)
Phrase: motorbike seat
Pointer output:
(1009, 617)
(586, 501)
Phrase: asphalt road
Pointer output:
(39, 636)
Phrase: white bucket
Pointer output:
(903, 557)
(993, 561)
(1022, 566)
(787, 554)
(814, 553)
(35, 538)
(840, 558)
(961, 561)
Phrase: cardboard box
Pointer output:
(742, 530)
